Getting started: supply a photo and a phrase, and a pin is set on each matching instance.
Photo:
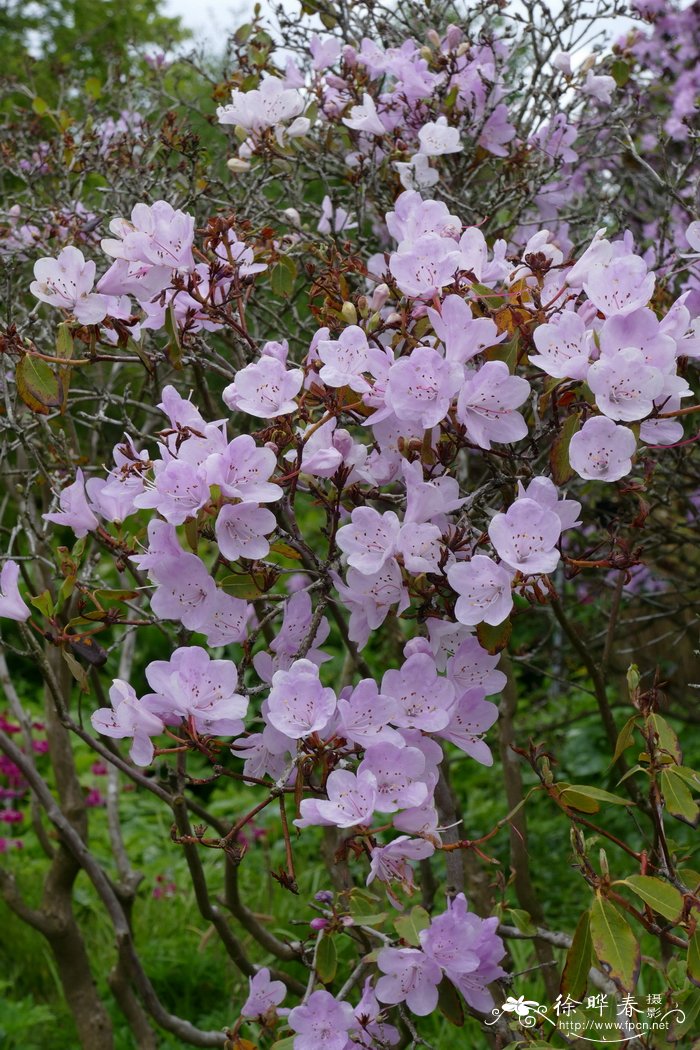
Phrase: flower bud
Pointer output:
(348, 313)
(318, 923)
(380, 296)
(324, 897)
(235, 164)
(292, 216)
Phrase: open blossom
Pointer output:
(463, 335)
(298, 704)
(564, 346)
(619, 285)
(243, 471)
(265, 389)
(487, 405)
(390, 863)
(424, 266)
(364, 118)
(241, 529)
(67, 282)
(624, 385)
(345, 359)
(369, 539)
(470, 717)
(157, 235)
(525, 537)
(263, 107)
(75, 511)
(472, 666)
(423, 697)
(398, 773)
(484, 590)
(364, 714)
(129, 717)
(193, 686)
(421, 386)
(12, 605)
(263, 995)
(409, 977)
(599, 87)
(322, 1021)
(601, 450)
(437, 137)
(351, 800)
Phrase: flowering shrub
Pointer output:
(393, 392)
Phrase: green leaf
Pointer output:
(694, 958)
(559, 454)
(93, 87)
(677, 796)
(284, 1044)
(409, 926)
(661, 896)
(37, 385)
(449, 1003)
(326, 959)
(39, 106)
(668, 741)
(282, 276)
(368, 920)
(174, 347)
(285, 551)
(615, 944)
(621, 72)
(574, 978)
(77, 670)
(625, 738)
(44, 603)
(494, 639)
(597, 794)
(522, 920)
(575, 800)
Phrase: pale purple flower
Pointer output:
(470, 717)
(364, 714)
(239, 255)
(265, 389)
(431, 499)
(624, 385)
(497, 132)
(476, 938)
(345, 359)
(157, 235)
(263, 995)
(223, 620)
(484, 590)
(544, 491)
(242, 471)
(487, 405)
(437, 137)
(423, 267)
(420, 547)
(264, 107)
(390, 863)
(413, 216)
(241, 529)
(397, 772)
(66, 282)
(370, 538)
(423, 697)
(564, 346)
(351, 799)
(598, 87)
(178, 491)
(374, 1032)
(601, 450)
(322, 1021)
(473, 666)
(74, 509)
(12, 606)
(409, 977)
(185, 591)
(298, 704)
(416, 174)
(369, 597)
(463, 335)
(334, 219)
(365, 118)
(193, 686)
(525, 537)
(619, 285)
(129, 717)
(324, 51)
(421, 386)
